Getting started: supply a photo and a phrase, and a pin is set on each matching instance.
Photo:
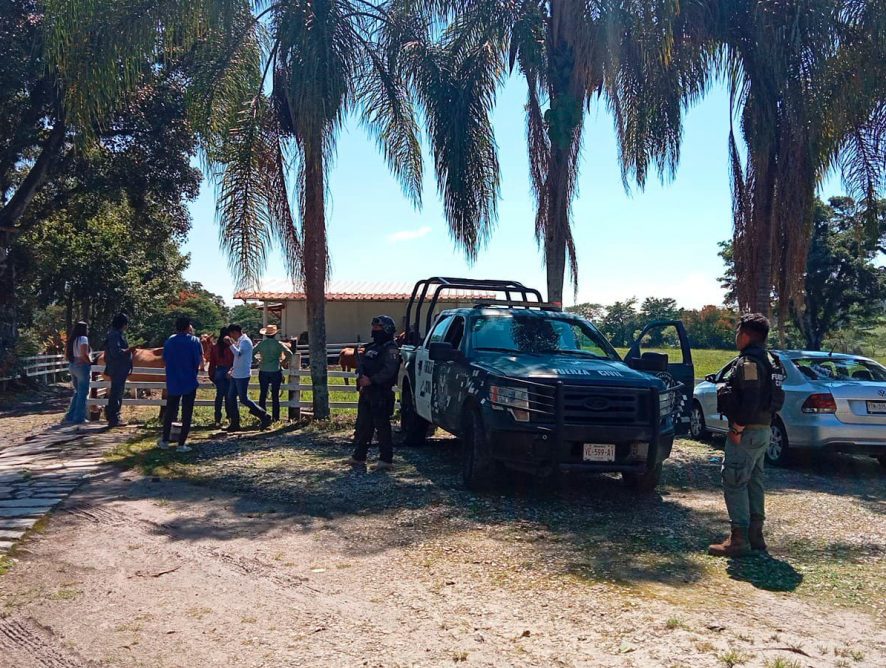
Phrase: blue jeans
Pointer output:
(239, 390)
(222, 390)
(115, 398)
(80, 380)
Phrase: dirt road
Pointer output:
(270, 553)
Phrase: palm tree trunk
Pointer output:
(315, 263)
(558, 222)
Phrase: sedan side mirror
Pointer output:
(441, 351)
(711, 378)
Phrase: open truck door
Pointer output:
(663, 349)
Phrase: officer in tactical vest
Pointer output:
(749, 397)
(377, 369)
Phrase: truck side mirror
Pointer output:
(441, 351)
(711, 378)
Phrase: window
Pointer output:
(456, 332)
(664, 340)
(439, 330)
(844, 369)
(533, 332)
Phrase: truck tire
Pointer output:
(478, 467)
(413, 426)
(643, 482)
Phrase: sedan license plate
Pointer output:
(877, 407)
(599, 452)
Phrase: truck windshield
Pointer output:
(531, 333)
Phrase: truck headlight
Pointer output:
(665, 403)
(513, 399)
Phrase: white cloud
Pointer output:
(408, 235)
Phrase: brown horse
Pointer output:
(347, 358)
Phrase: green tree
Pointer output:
(206, 310)
(592, 312)
(251, 317)
(273, 91)
(710, 327)
(806, 81)
(641, 56)
(843, 285)
(621, 323)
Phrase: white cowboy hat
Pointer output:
(270, 330)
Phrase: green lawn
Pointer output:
(706, 361)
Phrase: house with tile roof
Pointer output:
(350, 305)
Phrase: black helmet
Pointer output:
(386, 322)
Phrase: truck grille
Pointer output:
(595, 405)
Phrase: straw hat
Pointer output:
(270, 330)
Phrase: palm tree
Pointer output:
(270, 85)
(807, 81)
(641, 58)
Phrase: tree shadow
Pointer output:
(764, 571)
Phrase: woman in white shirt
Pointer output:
(79, 358)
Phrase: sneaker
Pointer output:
(383, 466)
(266, 422)
(233, 428)
(354, 462)
(183, 448)
(163, 445)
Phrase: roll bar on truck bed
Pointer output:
(428, 291)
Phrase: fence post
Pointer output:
(294, 395)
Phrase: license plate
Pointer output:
(599, 452)
(877, 407)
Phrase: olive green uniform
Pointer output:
(742, 474)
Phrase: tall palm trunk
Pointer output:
(558, 221)
(315, 264)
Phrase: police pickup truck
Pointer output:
(528, 386)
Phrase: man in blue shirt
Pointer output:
(239, 389)
(183, 356)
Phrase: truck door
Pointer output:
(669, 337)
(424, 370)
(451, 381)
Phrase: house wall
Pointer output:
(349, 321)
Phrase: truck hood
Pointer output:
(573, 369)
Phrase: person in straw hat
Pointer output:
(271, 354)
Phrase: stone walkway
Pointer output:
(37, 474)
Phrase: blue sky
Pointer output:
(659, 242)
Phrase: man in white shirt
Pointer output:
(241, 346)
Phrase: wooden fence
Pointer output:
(41, 366)
(291, 390)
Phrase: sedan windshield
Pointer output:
(842, 369)
(532, 333)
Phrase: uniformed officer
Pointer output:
(377, 369)
(749, 397)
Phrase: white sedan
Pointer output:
(833, 402)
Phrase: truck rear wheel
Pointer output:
(478, 470)
(413, 426)
(643, 482)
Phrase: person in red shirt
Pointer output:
(221, 359)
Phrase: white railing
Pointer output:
(292, 386)
(40, 366)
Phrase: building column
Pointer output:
(264, 314)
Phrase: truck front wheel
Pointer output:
(478, 469)
(643, 482)
(413, 426)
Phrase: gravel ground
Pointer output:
(266, 551)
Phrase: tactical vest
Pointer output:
(729, 396)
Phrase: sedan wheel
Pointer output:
(697, 427)
(777, 452)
